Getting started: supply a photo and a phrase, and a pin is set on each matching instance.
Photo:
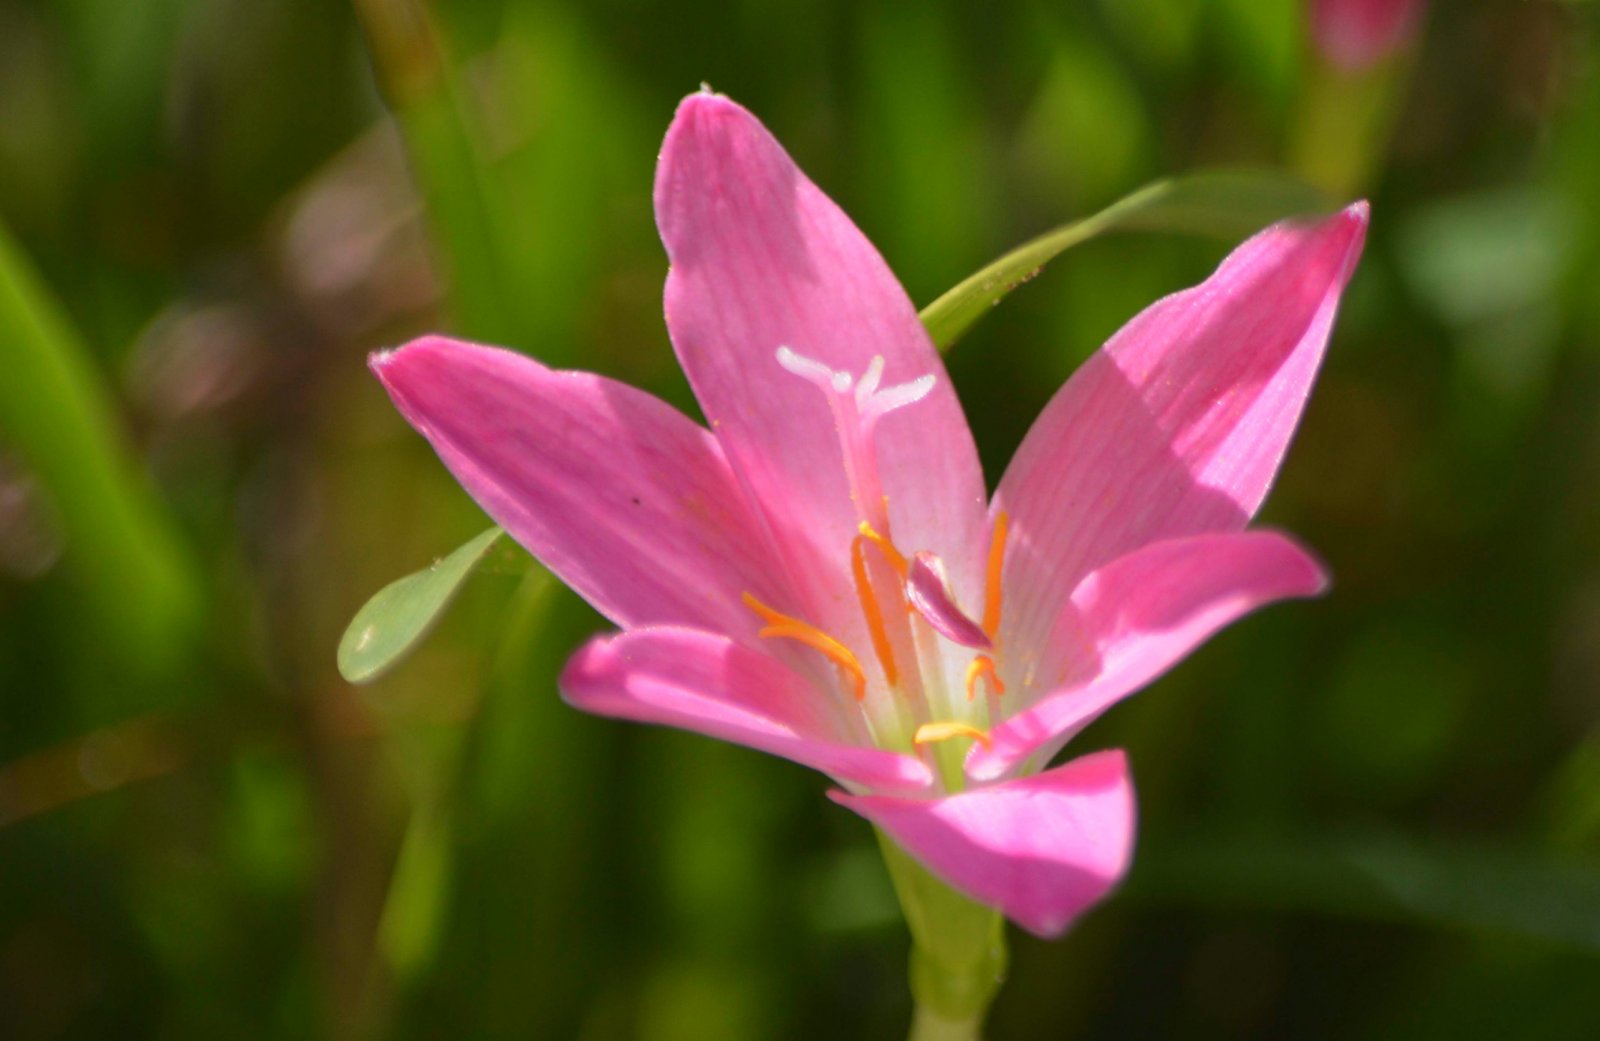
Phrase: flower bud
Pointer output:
(1356, 34)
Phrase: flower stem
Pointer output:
(927, 1025)
(1343, 126)
(958, 953)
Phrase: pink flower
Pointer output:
(1355, 34)
(820, 575)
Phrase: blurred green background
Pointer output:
(1373, 816)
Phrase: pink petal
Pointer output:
(927, 589)
(1133, 619)
(761, 258)
(708, 683)
(1178, 424)
(1042, 849)
(624, 498)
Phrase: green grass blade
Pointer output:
(459, 191)
(1224, 204)
(403, 612)
(415, 909)
(58, 414)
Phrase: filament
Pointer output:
(874, 614)
(895, 558)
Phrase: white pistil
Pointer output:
(899, 396)
(813, 371)
(923, 694)
(871, 402)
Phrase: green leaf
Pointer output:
(58, 413)
(396, 619)
(1390, 878)
(1227, 204)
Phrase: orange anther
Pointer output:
(782, 626)
(928, 733)
(997, 560)
(983, 666)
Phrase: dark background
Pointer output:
(1373, 816)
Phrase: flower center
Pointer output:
(920, 639)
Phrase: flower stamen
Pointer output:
(895, 558)
(782, 626)
(930, 733)
(991, 592)
(982, 667)
(871, 610)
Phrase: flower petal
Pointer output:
(762, 259)
(1042, 849)
(1133, 619)
(623, 497)
(1178, 424)
(708, 683)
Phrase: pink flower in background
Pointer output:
(1355, 34)
(821, 575)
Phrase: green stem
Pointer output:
(1343, 125)
(927, 1025)
(958, 952)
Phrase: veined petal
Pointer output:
(1178, 424)
(1042, 849)
(708, 683)
(1133, 619)
(762, 259)
(623, 497)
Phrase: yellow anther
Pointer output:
(895, 558)
(983, 666)
(782, 626)
(874, 614)
(928, 733)
(991, 593)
